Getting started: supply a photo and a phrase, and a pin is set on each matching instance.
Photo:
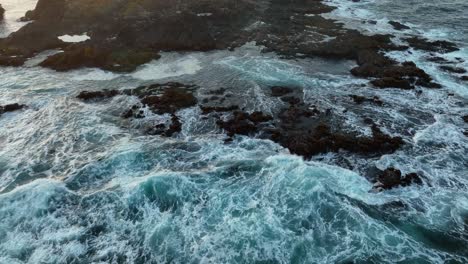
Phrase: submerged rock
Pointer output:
(398, 26)
(278, 91)
(361, 99)
(441, 46)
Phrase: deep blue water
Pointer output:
(80, 185)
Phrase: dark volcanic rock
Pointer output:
(165, 98)
(134, 112)
(437, 59)
(11, 60)
(127, 33)
(161, 129)
(97, 95)
(11, 108)
(278, 91)
(77, 56)
(244, 123)
(392, 178)
(441, 46)
(464, 78)
(172, 99)
(322, 139)
(398, 26)
(465, 118)
(305, 131)
(390, 74)
(160, 98)
(453, 69)
(308, 132)
(392, 82)
(361, 99)
(211, 109)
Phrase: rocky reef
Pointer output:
(298, 126)
(125, 34)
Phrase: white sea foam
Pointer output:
(94, 75)
(74, 38)
(164, 68)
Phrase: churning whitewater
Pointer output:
(81, 184)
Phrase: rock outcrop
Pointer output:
(393, 178)
(2, 12)
(161, 99)
(127, 33)
(11, 108)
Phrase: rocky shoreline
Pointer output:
(126, 34)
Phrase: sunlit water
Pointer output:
(80, 185)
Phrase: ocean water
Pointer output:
(80, 185)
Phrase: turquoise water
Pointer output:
(80, 185)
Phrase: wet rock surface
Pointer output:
(389, 73)
(97, 95)
(125, 34)
(11, 108)
(465, 118)
(398, 26)
(441, 46)
(136, 33)
(361, 99)
(307, 131)
(77, 56)
(298, 126)
(393, 178)
(161, 99)
(453, 69)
